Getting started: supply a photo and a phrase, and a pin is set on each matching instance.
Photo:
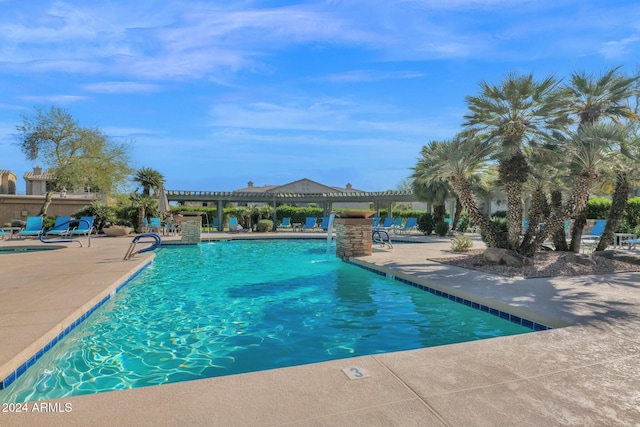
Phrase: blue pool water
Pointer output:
(233, 307)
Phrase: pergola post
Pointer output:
(220, 216)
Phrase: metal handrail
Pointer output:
(155, 244)
(43, 234)
(378, 237)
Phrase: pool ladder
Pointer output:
(381, 238)
(155, 243)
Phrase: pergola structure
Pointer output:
(274, 198)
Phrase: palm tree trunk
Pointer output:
(578, 229)
(462, 188)
(539, 210)
(576, 202)
(141, 214)
(559, 236)
(439, 212)
(456, 216)
(618, 206)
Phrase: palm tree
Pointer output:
(150, 179)
(430, 188)
(591, 100)
(625, 167)
(457, 161)
(587, 150)
(512, 113)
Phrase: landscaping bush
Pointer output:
(464, 222)
(461, 243)
(425, 223)
(442, 228)
(598, 208)
(264, 225)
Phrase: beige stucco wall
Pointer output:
(20, 207)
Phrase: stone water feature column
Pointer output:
(191, 227)
(353, 237)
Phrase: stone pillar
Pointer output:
(353, 237)
(191, 227)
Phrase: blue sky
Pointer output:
(216, 93)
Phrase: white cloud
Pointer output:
(121, 87)
(54, 99)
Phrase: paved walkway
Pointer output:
(586, 374)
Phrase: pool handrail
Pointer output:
(157, 241)
(43, 234)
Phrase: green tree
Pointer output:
(149, 179)
(511, 115)
(591, 100)
(74, 156)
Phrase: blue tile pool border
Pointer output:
(6, 382)
(498, 313)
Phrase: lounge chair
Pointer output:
(85, 227)
(234, 227)
(409, 225)
(2, 233)
(376, 223)
(386, 224)
(61, 227)
(310, 223)
(155, 225)
(325, 223)
(286, 223)
(32, 228)
(591, 240)
(397, 224)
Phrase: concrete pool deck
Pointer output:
(584, 374)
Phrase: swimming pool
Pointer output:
(232, 307)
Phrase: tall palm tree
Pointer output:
(587, 150)
(625, 168)
(428, 187)
(512, 113)
(150, 179)
(591, 100)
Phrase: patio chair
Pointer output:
(85, 227)
(33, 227)
(386, 224)
(234, 227)
(376, 222)
(61, 227)
(397, 224)
(591, 240)
(2, 233)
(310, 223)
(409, 225)
(325, 223)
(286, 223)
(155, 225)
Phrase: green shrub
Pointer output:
(442, 228)
(460, 242)
(425, 223)
(264, 225)
(598, 208)
(464, 222)
(499, 214)
(632, 213)
(48, 222)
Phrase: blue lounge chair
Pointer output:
(85, 227)
(32, 228)
(286, 223)
(376, 222)
(310, 223)
(386, 224)
(61, 227)
(234, 226)
(591, 240)
(325, 223)
(155, 225)
(2, 233)
(409, 225)
(397, 224)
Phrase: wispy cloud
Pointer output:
(356, 76)
(121, 87)
(54, 99)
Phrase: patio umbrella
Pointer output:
(163, 202)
